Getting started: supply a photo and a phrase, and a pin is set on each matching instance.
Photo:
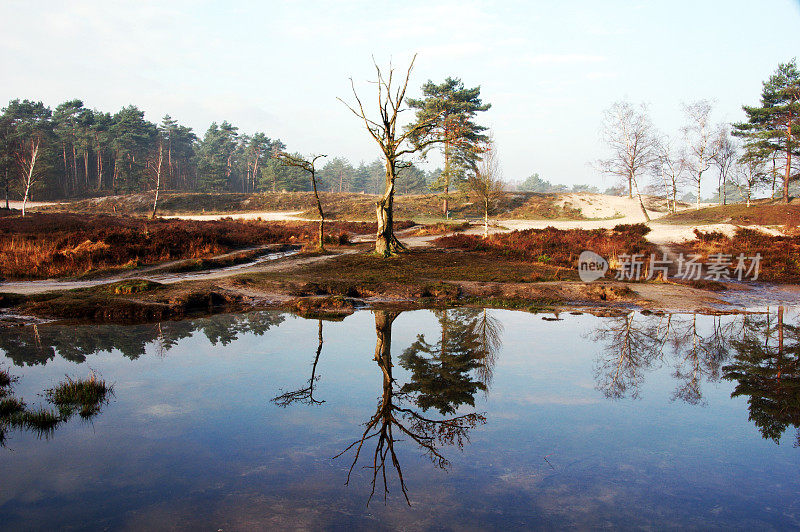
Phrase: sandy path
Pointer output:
(267, 216)
(279, 261)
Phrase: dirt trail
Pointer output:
(279, 261)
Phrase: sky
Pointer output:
(549, 68)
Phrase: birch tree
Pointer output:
(31, 123)
(699, 135)
(724, 159)
(486, 182)
(669, 168)
(628, 133)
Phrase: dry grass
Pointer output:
(760, 213)
(341, 206)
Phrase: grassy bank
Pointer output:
(342, 206)
(759, 213)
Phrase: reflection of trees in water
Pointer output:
(764, 349)
(636, 344)
(441, 372)
(766, 369)
(304, 395)
(38, 344)
(441, 379)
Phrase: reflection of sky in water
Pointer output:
(191, 437)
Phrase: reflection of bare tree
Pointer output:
(631, 349)
(489, 331)
(637, 344)
(396, 419)
(304, 395)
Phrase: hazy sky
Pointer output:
(548, 68)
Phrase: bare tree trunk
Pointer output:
(321, 214)
(86, 168)
(788, 164)
(30, 173)
(641, 201)
(486, 216)
(386, 244)
(158, 178)
(697, 200)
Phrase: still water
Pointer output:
(456, 419)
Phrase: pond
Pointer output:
(446, 419)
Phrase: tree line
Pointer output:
(759, 154)
(73, 151)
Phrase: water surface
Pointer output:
(490, 418)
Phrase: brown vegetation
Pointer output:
(350, 206)
(557, 247)
(61, 244)
(763, 213)
(780, 255)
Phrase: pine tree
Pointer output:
(774, 126)
(452, 109)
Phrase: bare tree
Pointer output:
(486, 181)
(669, 167)
(155, 168)
(308, 166)
(749, 173)
(726, 153)
(27, 158)
(394, 143)
(699, 136)
(628, 132)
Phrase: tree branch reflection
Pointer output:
(441, 379)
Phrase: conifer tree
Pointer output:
(774, 126)
(452, 109)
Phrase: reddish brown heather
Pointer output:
(780, 255)
(558, 247)
(62, 244)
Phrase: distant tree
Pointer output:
(725, 155)
(629, 134)
(31, 128)
(394, 146)
(6, 154)
(66, 126)
(412, 180)
(155, 166)
(307, 165)
(132, 137)
(449, 110)
(749, 173)
(773, 126)
(669, 166)
(215, 157)
(487, 182)
(337, 175)
(701, 148)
